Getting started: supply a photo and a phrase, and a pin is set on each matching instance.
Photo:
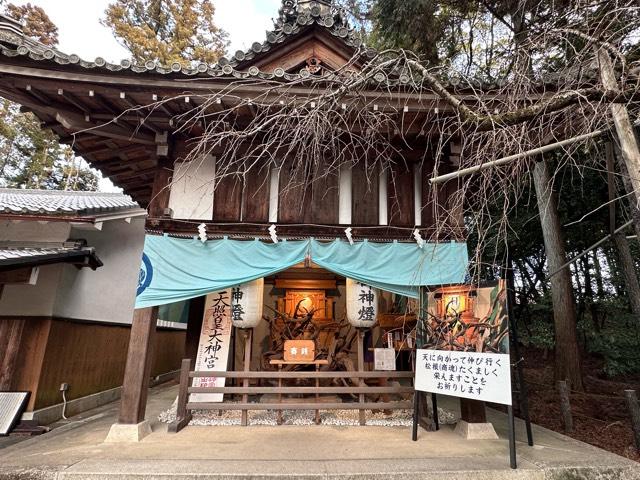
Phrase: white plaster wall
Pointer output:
(31, 231)
(33, 300)
(38, 299)
(107, 294)
(192, 189)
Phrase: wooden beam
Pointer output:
(22, 275)
(10, 338)
(138, 367)
(161, 190)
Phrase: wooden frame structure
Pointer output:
(184, 409)
(124, 119)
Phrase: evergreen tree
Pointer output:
(30, 156)
(167, 31)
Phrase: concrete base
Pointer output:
(476, 431)
(120, 433)
(76, 451)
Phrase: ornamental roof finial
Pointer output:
(292, 9)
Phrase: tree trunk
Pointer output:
(567, 364)
(624, 127)
(634, 211)
(598, 271)
(627, 265)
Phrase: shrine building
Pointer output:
(305, 247)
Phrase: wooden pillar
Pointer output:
(248, 338)
(362, 413)
(624, 127)
(472, 411)
(10, 337)
(138, 368)
(161, 190)
(194, 327)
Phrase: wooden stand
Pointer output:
(248, 338)
(362, 413)
(318, 364)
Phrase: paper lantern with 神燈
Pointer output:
(362, 304)
(246, 304)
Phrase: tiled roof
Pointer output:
(293, 19)
(22, 253)
(53, 202)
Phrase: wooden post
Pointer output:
(565, 406)
(473, 411)
(362, 413)
(248, 338)
(279, 414)
(317, 394)
(138, 368)
(182, 415)
(10, 337)
(194, 327)
(161, 189)
(634, 410)
(416, 408)
(622, 121)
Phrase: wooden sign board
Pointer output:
(299, 351)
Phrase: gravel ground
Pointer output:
(399, 418)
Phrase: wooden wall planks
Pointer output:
(295, 195)
(401, 194)
(227, 199)
(365, 195)
(255, 202)
(90, 357)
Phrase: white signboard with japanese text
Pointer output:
(477, 376)
(213, 350)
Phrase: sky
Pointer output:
(80, 31)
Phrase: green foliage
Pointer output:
(618, 343)
(615, 339)
(30, 156)
(167, 31)
(35, 22)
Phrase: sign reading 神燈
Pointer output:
(466, 345)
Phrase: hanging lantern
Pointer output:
(246, 304)
(362, 304)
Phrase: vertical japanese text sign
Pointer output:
(213, 350)
(362, 304)
(466, 349)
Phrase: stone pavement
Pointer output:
(76, 451)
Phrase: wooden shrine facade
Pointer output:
(110, 116)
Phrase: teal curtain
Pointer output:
(178, 269)
(175, 270)
(396, 267)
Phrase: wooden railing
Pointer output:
(185, 407)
